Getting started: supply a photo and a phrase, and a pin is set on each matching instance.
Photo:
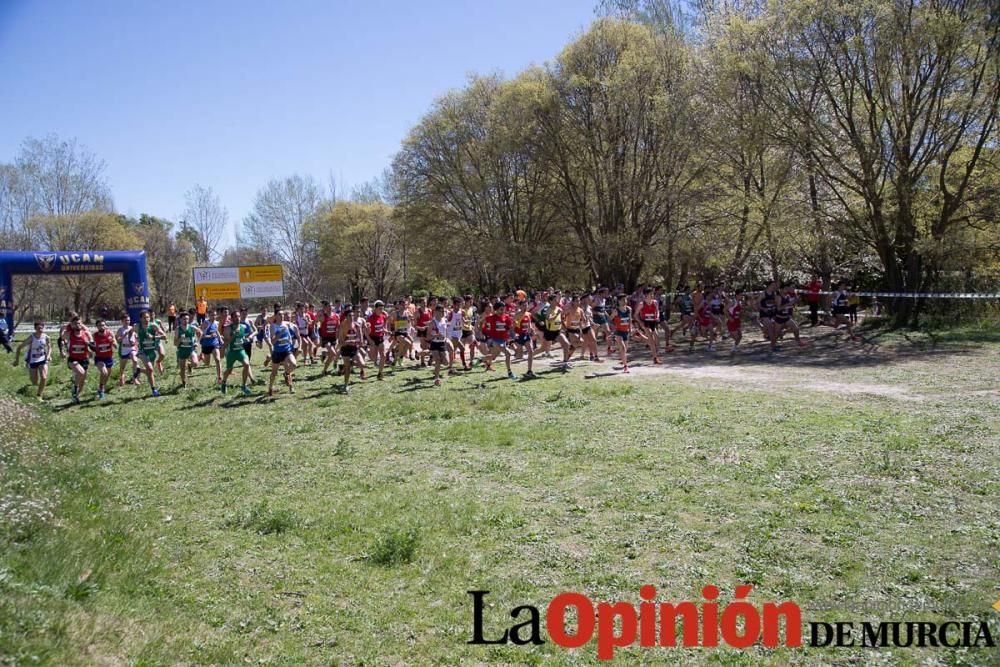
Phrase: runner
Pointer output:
(349, 337)
(841, 309)
(456, 335)
(622, 321)
(784, 316)
(328, 324)
(469, 316)
(716, 307)
(767, 305)
(734, 321)
(149, 337)
(522, 339)
(402, 342)
(262, 325)
(104, 355)
(376, 326)
(685, 306)
(171, 316)
(649, 318)
(161, 352)
(5, 336)
(211, 343)
(438, 350)
(589, 334)
(573, 325)
(127, 349)
(704, 324)
(282, 335)
(497, 329)
(600, 309)
(37, 358)
(312, 333)
(248, 341)
(424, 317)
(78, 342)
(184, 339)
(304, 324)
(234, 335)
(553, 330)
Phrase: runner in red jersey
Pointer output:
(376, 335)
(704, 324)
(329, 322)
(522, 336)
(422, 322)
(498, 327)
(649, 318)
(734, 319)
(79, 342)
(104, 354)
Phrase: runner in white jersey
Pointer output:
(127, 350)
(456, 325)
(37, 358)
(439, 330)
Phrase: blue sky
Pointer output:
(230, 94)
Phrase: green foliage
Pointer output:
(264, 519)
(397, 546)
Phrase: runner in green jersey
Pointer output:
(235, 332)
(184, 339)
(150, 336)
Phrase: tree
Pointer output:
(474, 189)
(169, 260)
(899, 101)
(208, 219)
(93, 230)
(621, 130)
(64, 179)
(359, 244)
(280, 226)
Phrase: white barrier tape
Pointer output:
(895, 295)
(918, 295)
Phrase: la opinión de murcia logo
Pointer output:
(572, 620)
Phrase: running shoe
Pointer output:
(437, 382)
(100, 394)
(223, 389)
(156, 393)
(511, 376)
(246, 390)
(530, 375)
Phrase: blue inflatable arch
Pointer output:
(132, 264)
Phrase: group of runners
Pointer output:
(444, 334)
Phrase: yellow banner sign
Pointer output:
(218, 291)
(263, 273)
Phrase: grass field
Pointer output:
(860, 481)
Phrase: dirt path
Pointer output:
(828, 364)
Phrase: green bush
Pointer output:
(396, 547)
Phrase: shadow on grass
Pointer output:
(826, 348)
